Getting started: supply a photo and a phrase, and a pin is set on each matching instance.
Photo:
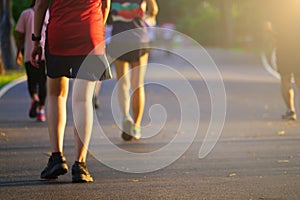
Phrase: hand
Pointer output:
(19, 59)
(36, 55)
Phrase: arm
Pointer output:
(20, 43)
(41, 7)
(152, 8)
(105, 9)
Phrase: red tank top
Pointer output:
(75, 27)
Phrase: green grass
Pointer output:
(10, 75)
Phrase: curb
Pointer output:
(10, 85)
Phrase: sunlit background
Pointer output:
(236, 24)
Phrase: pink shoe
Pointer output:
(41, 117)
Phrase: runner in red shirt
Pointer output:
(74, 49)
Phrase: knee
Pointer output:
(123, 84)
(137, 82)
(286, 82)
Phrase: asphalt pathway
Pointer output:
(256, 157)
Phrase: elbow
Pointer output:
(41, 5)
(153, 12)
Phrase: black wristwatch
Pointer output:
(36, 39)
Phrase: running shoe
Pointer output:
(136, 132)
(290, 115)
(56, 166)
(126, 128)
(33, 107)
(80, 173)
(41, 117)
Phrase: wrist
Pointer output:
(36, 38)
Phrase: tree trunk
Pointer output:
(8, 45)
(225, 7)
(2, 69)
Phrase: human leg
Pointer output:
(297, 82)
(137, 82)
(96, 93)
(42, 79)
(138, 97)
(57, 99)
(83, 116)
(123, 86)
(31, 73)
(83, 91)
(32, 88)
(288, 96)
(123, 76)
(42, 82)
(57, 111)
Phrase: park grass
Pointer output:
(10, 76)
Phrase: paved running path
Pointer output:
(256, 157)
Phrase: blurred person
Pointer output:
(283, 19)
(75, 37)
(36, 77)
(129, 19)
(168, 36)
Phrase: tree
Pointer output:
(7, 41)
(2, 70)
(226, 22)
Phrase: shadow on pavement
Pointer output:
(33, 183)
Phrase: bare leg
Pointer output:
(287, 92)
(297, 81)
(123, 86)
(96, 94)
(137, 82)
(83, 116)
(97, 88)
(57, 115)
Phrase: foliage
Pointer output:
(201, 23)
(9, 76)
(7, 41)
(18, 6)
(248, 20)
(203, 19)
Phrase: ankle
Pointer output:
(79, 163)
(57, 154)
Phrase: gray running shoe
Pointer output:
(136, 132)
(126, 129)
(290, 115)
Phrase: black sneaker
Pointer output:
(80, 173)
(56, 166)
(33, 106)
